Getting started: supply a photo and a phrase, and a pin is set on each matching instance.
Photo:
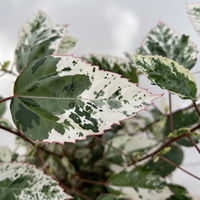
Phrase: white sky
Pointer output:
(105, 27)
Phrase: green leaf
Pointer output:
(61, 98)
(194, 14)
(22, 182)
(107, 197)
(114, 64)
(2, 107)
(40, 37)
(5, 65)
(139, 177)
(183, 119)
(168, 75)
(180, 193)
(163, 41)
(164, 169)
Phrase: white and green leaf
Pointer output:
(114, 64)
(163, 41)
(40, 37)
(194, 14)
(24, 182)
(140, 183)
(61, 98)
(168, 74)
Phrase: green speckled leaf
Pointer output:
(194, 14)
(25, 182)
(40, 37)
(168, 75)
(114, 64)
(163, 41)
(61, 98)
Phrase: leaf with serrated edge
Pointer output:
(24, 182)
(114, 64)
(63, 99)
(168, 74)
(194, 14)
(40, 37)
(163, 41)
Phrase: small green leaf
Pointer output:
(163, 41)
(5, 65)
(164, 169)
(40, 37)
(22, 182)
(62, 98)
(114, 64)
(179, 193)
(168, 75)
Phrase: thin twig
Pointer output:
(21, 135)
(170, 113)
(175, 165)
(193, 142)
(92, 181)
(166, 144)
(9, 72)
(196, 108)
(113, 147)
(6, 99)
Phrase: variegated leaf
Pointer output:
(114, 64)
(141, 183)
(168, 75)
(24, 182)
(194, 14)
(61, 98)
(40, 37)
(163, 41)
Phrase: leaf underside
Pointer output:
(24, 182)
(168, 75)
(40, 37)
(163, 41)
(62, 99)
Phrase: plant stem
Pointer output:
(170, 113)
(6, 99)
(175, 165)
(20, 134)
(193, 142)
(166, 144)
(92, 182)
(196, 107)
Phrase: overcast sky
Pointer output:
(101, 26)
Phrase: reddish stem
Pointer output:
(6, 99)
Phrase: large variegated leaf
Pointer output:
(61, 98)
(114, 64)
(40, 37)
(25, 182)
(194, 14)
(168, 75)
(163, 41)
